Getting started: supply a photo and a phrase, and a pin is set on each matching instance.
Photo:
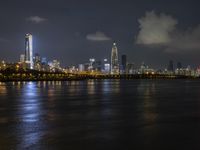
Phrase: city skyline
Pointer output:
(99, 74)
(57, 33)
(33, 60)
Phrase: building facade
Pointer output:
(29, 51)
(123, 63)
(114, 60)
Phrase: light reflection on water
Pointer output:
(30, 112)
(3, 89)
(148, 91)
(91, 87)
(61, 115)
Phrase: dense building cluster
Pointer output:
(114, 66)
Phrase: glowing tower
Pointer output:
(114, 60)
(29, 51)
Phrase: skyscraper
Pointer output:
(171, 66)
(29, 51)
(22, 58)
(37, 58)
(130, 68)
(105, 66)
(123, 61)
(114, 60)
(179, 65)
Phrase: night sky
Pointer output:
(73, 31)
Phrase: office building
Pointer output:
(81, 67)
(114, 60)
(171, 66)
(29, 51)
(123, 63)
(179, 65)
(22, 58)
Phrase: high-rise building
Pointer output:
(130, 68)
(37, 58)
(171, 66)
(114, 60)
(54, 65)
(91, 66)
(22, 58)
(44, 60)
(105, 67)
(29, 51)
(37, 62)
(81, 67)
(179, 65)
(123, 63)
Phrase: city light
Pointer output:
(94, 68)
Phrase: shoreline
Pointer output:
(12, 76)
(101, 78)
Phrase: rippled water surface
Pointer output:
(100, 114)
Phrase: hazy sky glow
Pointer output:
(73, 31)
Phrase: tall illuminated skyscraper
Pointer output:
(29, 50)
(114, 60)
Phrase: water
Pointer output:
(100, 114)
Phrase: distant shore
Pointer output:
(60, 76)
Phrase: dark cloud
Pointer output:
(185, 41)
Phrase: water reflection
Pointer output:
(148, 91)
(115, 86)
(91, 87)
(73, 88)
(30, 116)
(97, 113)
(3, 89)
(148, 111)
